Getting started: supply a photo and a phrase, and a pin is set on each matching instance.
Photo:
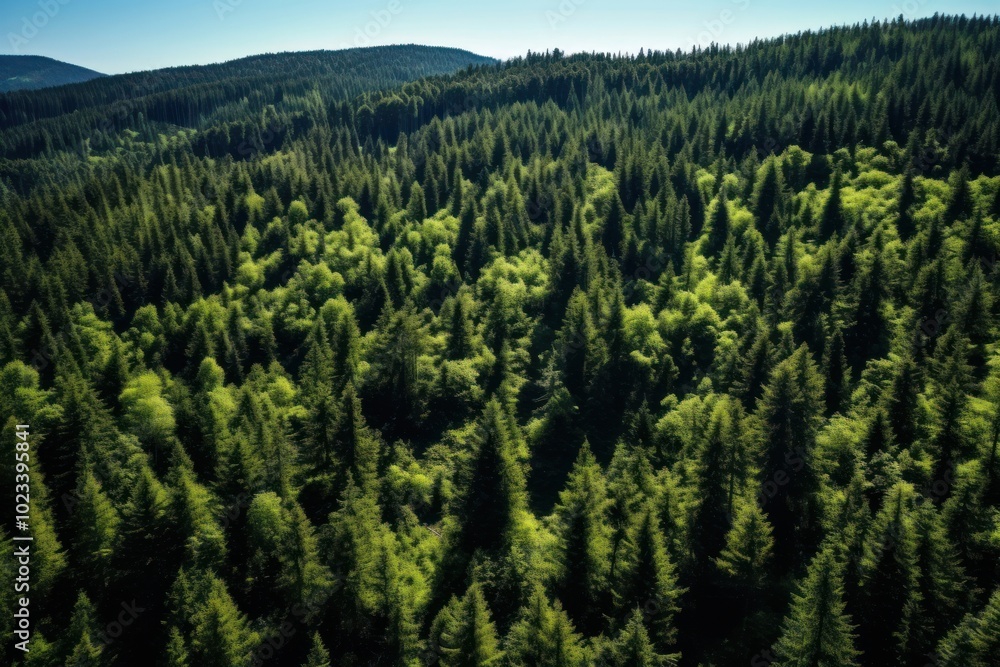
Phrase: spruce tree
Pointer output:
(889, 582)
(745, 560)
(719, 226)
(221, 635)
(177, 653)
(470, 638)
(817, 631)
(583, 546)
(648, 580)
(544, 636)
(832, 220)
(975, 641)
(492, 494)
(633, 648)
(788, 417)
(318, 655)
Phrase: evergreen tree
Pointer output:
(746, 558)
(648, 580)
(81, 641)
(832, 220)
(788, 415)
(817, 631)
(318, 655)
(889, 582)
(975, 641)
(469, 638)
(719, 226)
(544, 636)
(493, 493)
(583, 536)
(633, 648)
(221, 635)
(177, 653)
(95, 523)
(905, 225)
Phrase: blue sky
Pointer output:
(116, 36)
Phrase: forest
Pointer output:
(405, 356)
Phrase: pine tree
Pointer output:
(950, 385)
(960, 202)
(901, 401)
(940, 581)
(583, 536)
(81, 640)
(493, 492)
(351, 545)
(613, 234)
(745, 560)
(968, 524)
(95, 523)
(976, 640)
(837, 374)
(765, 203)
(544, 636)
(460, 333)
(721, 469)
(817, 631)
(417, 207)
(788, 416)
(145, 549)
(470, 638)
(889, 582)
(648, 580)
(832, 220)
(576, 346)
(905, 226)
(177, 653)
(357, 447)
(221, 635)
(867, 336)
(719, 226)
(318, 655)
(633, 648)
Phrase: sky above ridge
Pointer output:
(115, 36)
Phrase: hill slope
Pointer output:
(33, 72)
(261, 79)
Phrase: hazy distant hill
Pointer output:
(33, 72)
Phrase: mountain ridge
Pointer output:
(20, 73)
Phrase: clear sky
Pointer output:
(115, 36)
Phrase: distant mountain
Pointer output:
(33, 72)
(262, 79)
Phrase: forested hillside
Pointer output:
(31, 72)
(231, 98)
(668, 359)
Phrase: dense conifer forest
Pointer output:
(664, 359)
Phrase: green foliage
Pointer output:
(544, 636)
(574, 359)
(468, 637)
(816, 630)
